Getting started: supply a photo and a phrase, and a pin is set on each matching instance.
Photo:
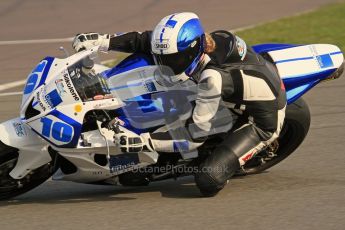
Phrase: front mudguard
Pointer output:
(32, 150)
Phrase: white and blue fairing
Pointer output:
(56, 100)
(303, 66)
(51, 104)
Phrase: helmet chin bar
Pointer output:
(198, 64)
(193, 68)
(187, 74)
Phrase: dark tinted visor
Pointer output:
(180, 61)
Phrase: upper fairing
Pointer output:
(53, 108)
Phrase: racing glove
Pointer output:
(86, 41)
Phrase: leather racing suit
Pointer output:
(232, 76)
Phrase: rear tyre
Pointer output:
(10, 187)
(295, 129)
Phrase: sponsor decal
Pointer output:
(53, 98)
(60, 87)
(121, 168)
(20, 130)
(150, 86)
(78, 108)
(48, 101)
(55, 130)
(323, 61)
(38, 98)
(70, 87)
(181, 146)
(241, 47)
(102, 104)
(123, 162)
(162, 45)
(248, 156)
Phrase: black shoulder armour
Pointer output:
(229, 48)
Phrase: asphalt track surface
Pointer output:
(306, 191)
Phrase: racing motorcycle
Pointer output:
(72, 107)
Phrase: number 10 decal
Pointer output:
(58, 130)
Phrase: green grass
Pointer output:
(324, 25)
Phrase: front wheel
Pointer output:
(10, 187)
(295, 129)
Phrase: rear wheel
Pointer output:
(10, 187)
(295, 129)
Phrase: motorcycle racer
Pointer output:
(228, 73)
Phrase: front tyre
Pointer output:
(295, 129)
(10, 187)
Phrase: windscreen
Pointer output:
(89, 85)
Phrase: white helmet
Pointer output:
(178, 42)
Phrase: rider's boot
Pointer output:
(216, 170)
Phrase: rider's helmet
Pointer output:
(178, 42)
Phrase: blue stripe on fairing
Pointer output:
(31, 82)
(299, 84)
(262, 48)
(305, 58)
(125, 86)
(130, 85)
(133, 61)
(293, 94)
(46, 70)
(294, 59)
(334, 53)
